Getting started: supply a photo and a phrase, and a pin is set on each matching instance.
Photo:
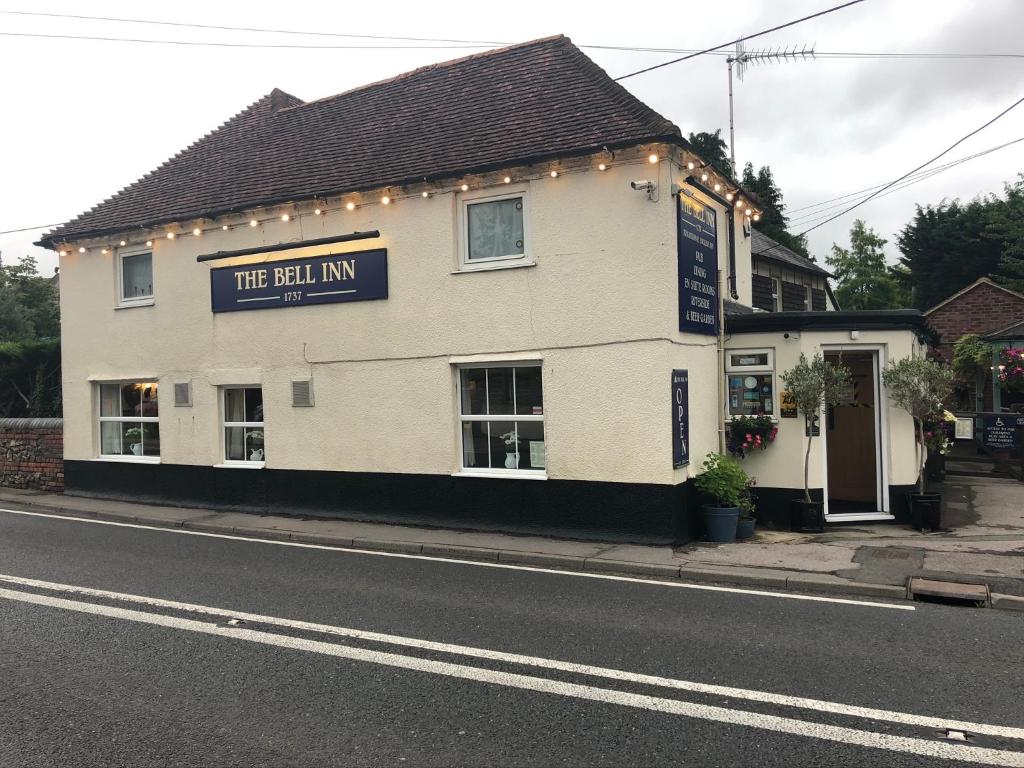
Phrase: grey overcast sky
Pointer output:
(82, 119)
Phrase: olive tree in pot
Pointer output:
(813, 385)
(726, 487)
(919, 387)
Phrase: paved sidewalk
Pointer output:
(985, 544)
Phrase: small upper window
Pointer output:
(494, 229)
(136, 277)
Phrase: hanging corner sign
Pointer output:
(698, 267)
(680, 418)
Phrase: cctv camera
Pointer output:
(642, 186)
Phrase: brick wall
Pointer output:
(32, 454)
(982, 309)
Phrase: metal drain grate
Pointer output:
(953, 592)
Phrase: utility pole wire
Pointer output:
(741, 39)
(893, 183)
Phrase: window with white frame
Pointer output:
(750, 379)
(243, 425)
(135, 277)
(494, 230)
(129, 423)
(502, 419)
(776, 294)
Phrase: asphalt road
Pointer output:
(122, 645)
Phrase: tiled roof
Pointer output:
(766, 247)
(527, 102)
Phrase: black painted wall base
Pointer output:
(631, 512)
(773, 504)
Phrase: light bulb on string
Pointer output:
(285, 217)
(718, 187)
(197, 231)
(728, 196)
(703, 177)
(508, 179)
(385, 200)
(351, 206)
(253, 223)
(465, 187)
(690, 166)
(149, 243)
(317, 211)
(757, 217)
(424, 194)
(602, 167)
(652, 159)
(554, 174)
(225, 227)
(170, 235)
(124, 243)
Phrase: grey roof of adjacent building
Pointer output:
(767, 248)
(1009, 333)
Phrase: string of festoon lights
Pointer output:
(289, 212)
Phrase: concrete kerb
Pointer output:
(721, 575)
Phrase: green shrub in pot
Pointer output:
(727, 489)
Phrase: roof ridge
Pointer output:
(983, 280)
(434, 66)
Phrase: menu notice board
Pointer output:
(1000, 430)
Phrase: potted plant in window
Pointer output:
(813, 385)
(727, 489)
(133, 436)
(256, 452)
(511, 440)
(919, 387)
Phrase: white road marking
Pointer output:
(935, 749)
(478, 563)
(765, 697)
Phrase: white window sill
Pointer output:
(241, 465)
(130, 459)
(134, 304)
(494, 265)
(522, 474)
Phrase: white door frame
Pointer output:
(881, 437)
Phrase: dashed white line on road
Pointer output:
(476, 563)
(803, 728)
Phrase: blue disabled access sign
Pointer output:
(329, 279)
(698, 267)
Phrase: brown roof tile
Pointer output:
(513, 105)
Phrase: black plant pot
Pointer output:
(925, 510)
(807, 516)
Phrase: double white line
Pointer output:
(844, 735)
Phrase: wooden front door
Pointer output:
(852, 434)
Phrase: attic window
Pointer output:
(135, 278)
(494, 230)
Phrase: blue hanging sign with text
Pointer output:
(680, 418)
(698, 267)
(300, 282)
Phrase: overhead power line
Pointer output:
(29, 229)
(838, 202)
(738, 40)
(447, 41)
(894, 182)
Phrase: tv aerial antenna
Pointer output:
(743, 59)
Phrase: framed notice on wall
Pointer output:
(698, 266)
(680, 418)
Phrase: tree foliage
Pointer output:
(812, 386)
(972, 358)
(28, 303)
(712, 147)
(864, 280)
(949, 246)
(1006, 226)
(920, 387)
(30, 378)
(774, 221)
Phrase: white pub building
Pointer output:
(488, 294)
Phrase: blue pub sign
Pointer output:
(680, 418)
(336, 277)
(698, 267)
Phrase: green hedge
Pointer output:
(30, 379)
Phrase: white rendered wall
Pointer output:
(600, 309)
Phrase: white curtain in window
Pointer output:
(496, 228)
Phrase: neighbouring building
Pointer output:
(785, 281)
(983, 308)
(499, 292)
